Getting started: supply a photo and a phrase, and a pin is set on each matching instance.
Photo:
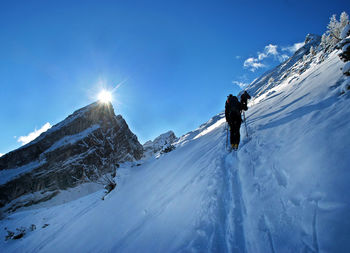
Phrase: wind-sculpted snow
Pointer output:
(294, 168)
(284, 190)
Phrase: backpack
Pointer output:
(233, 107)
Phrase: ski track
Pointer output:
(235, 236)
(314, 229)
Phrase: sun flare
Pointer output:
(105, 96)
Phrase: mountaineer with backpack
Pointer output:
(244, 100)
(233, 110)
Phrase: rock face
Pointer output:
(87, 144)
(162, 142)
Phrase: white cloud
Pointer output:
(1, 154)
(31, 136)
(270, 51)
(253, 64)
(242, 85)
(238, 57)
(283, 57)
(294, 47)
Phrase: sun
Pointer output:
(105, 96)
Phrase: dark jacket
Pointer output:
(244, 100)
(233, 110)
(244, 97)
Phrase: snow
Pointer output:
(71, 139)
(77, 114)
(296, 166)
(345, 87)
(346, 68)
(285, 190)
(345, 47)
(7, 175)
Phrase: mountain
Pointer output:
(284, 190)
(287, 70)
(160, 144)
(84, 146)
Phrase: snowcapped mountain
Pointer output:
(284, 190)
(159, 144)
(84, 146)
(286, 70)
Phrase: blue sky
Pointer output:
(174, 62)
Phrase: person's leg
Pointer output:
(232, 134)
(236, 135)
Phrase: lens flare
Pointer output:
(105, 96)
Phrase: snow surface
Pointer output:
(285, 190)
(346, 68)
(8, 175)
(77, 114)
(345, 47)
(71, 139)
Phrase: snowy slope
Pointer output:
(289, 69)
(295, 168)
(285, 190)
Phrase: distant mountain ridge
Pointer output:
(285, 70)
(160, 143)
(88, 143)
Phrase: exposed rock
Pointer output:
(87, 144)
(162, 142)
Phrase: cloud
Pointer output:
(269, 50)
(238, 57)
(293, 48)
(270, 54)
(1, 154)
(242, 85)
(253, 64)
(283, 57)
(31, 136)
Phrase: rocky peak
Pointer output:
(160, 143)
(87, 144)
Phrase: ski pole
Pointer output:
(226, 135)
(245, 123)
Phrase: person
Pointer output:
(244, 100)
(233, 110)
